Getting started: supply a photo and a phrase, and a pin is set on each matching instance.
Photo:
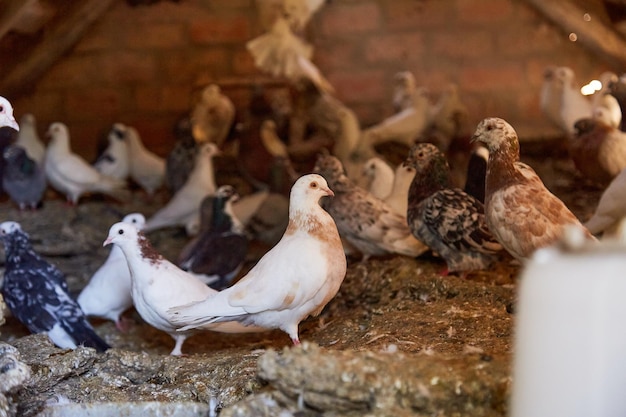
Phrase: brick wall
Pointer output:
(141, 65)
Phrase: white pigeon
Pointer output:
(107, 295)
(574, 105)
(399, 197)
(295, 279)
(183, 209)
(603, 99)
(448, 117)
(213, 116)
(157, 285)
(379, 176)
(403, 127)
(404, 87)
(146, 168)
(611, 208)
(28, 138)
(6, 114)
(282, 54)
(114, 161)
(71, 175)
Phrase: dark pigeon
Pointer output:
(220, 249)
(23, 178)
(37, 295)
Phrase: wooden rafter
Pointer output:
(58, 40)
(11, 13)
(595, 34)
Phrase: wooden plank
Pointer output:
(11, 13)
(61, 38)
(595, 35)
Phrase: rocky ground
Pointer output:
(399, 338)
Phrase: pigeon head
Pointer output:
(136, 219)
(28, 119)
(13, 237)
(565, 76)
(308, 190)
(330, 167)
(497, 135)
(6, 114)
(227, 193)
(208, 150)
(8, 228)
(58, 133)
(127, 236)
(430, 164)
(210, 93)
(118, 131)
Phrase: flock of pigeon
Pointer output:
(353, 202)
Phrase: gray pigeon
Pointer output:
(23, 178)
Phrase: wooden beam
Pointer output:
(61, 38)
(11, 13)
(595, 35)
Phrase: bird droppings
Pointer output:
(395, 327)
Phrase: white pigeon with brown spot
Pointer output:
(157, 285)
(295, 279)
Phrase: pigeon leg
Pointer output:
(123, 324)
(180, 339)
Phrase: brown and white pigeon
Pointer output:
(364, 221)
(71, 175)
(598, 148)
(157, 285)
(520, 211)
(295, 279)
(183, 208)
(213, 116)
(448, 220)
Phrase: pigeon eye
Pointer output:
(120, 232)
(490, 127)
(313, 185)
(1, 109)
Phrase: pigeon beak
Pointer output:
(13, 123)
(474, 138)
(107, 241)
(329, 192)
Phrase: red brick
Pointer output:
(336, 55)
(220, 29)
(473, 43)
(362, 86)
(396, 47)
(346, 19)
(411, 14)
(93, 104)
(127, 67)
(243, 63)
(70, 72)
(155, 99)
(183, 66)
(484, 11)
(488, 79)
(155, 36)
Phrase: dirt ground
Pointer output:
(398, 339)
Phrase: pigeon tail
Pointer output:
(84, 335)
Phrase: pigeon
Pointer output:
(364, 221)
(403, 127)
(603, 99)
(180, 161)
(449, 116)
(611, 208)
(379, 177)
(520, 211)
(6, 115)
(282, 54)
(114, 161)
(282, 174)
(402, 179)
(213, 116)
(107, 295)
(146, 168)
(448, 220)
(183, 207)
(37, 295)
(23, 178)
(296, 12)
(294, 279)
(71, 175)
(476, 173)
(219, 250)
(574, 105)
(157, 285)
(28, 138)
(617, 89)
(597, 148)
(404, 87)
